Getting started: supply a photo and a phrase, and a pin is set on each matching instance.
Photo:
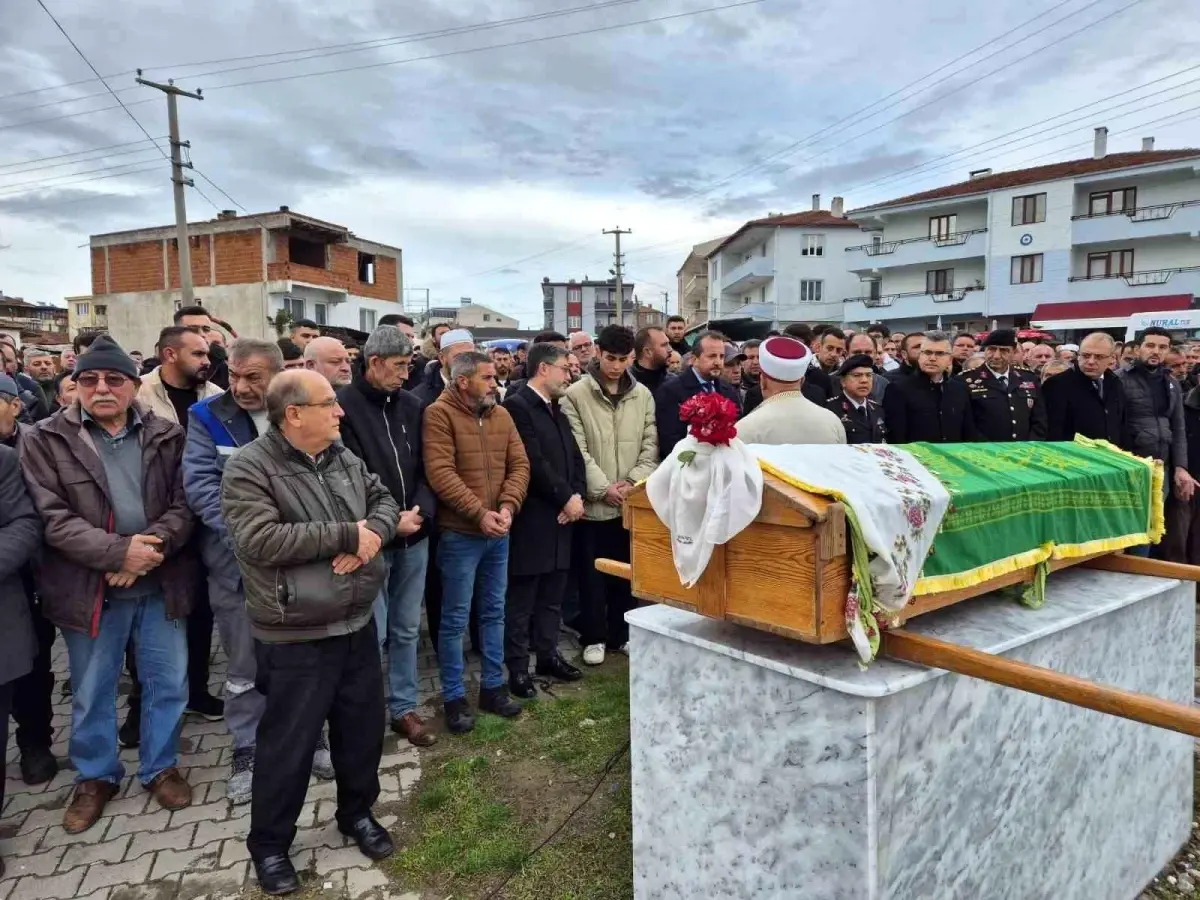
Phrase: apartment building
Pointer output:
(1070, 246)
(42, 324)
(467, 314)
(245, 269)
(692, 283)
(569, 306)
(785, 267)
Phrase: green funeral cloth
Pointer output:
(1021, 504)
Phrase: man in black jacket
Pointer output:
(910, 357)
(540, 540)
(1087, 399)
(861, 416)
(708, 360)
(929, 405)
(381, 425)
(651, 351)
(1006, 402)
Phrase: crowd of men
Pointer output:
(310, 497)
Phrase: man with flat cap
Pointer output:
(1006, 402)
(861, 417)
(786, 416)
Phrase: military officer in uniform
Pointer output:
(1006, 402)
(861, 416)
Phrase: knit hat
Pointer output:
(857, 361)
(784, 358)
(9, 386)
(455, 336)
(105, 355)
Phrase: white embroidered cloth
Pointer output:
(895, 507)
(704, 495)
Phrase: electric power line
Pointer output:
(48, 179)
(35, 190)
(72, 153)
(75, 162)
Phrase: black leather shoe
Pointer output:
(557, 667)
(521, 685)
(497, 702)
(371, 837)
(276, 875)
(459, 718)
(38, 765)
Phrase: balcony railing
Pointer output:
(955, 239)
(1137, 279)
(697, 283)
(950, 296)
(1142, 213)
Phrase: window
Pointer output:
(876, 241)
(942, 226)
(574, 322)
(101, 309)
(875, 289)
(319, 313)
(1109, 264)
(366, 268)
(1026, 269)
(294, 306)
(81, 309)
(939, 281)
(814, 245)
(306, 253)
(366, 320)
(1029, 210)
(1105, 203)
(811, 291)
(574, 295)
(487, 317)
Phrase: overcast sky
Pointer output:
(475, 161)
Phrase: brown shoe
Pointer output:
(87, 805)
(411, 727)
(170, 789)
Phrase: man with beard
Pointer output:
(39, 365)
(910, 357)
(327, 356)
(1154, 413)
(652, 351)
(503, 361)
(540, 555)
(676, 326)
(451, 344)
(199, 317)
(36, 407)
(476, 464)
(750, 366)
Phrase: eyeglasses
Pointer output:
(114, 380)
(324, 404)
(936, 354)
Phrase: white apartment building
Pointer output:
(467, 314)
(1070, 246)
(785, 268)
(570, 306)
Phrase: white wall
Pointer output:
(135, 319)
(906, 225)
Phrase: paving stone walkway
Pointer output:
(139, 850)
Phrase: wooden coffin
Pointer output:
(788, 573)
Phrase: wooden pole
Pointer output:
(1140, 565)
(927, 651)
(614, 568)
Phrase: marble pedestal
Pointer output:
(767, 768)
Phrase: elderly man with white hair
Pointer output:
(786, 416)
(328, 356)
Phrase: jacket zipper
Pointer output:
(334, 502)
(395, 453)
(487, 469)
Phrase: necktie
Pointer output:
(1004, 382)
(1098, 384)
(709, 387)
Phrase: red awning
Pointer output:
(1047, 313)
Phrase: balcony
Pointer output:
(920, 251)
(914, 303)
(697, 284)
(753, 273)
(1144, 283)
(1163, 220)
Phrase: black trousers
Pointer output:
(6, 696)
(603, 598)
(532, 616)
(336, 678)
(32, 692)
(199, 643)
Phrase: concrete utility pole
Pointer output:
(617, 232)
(179, 182)
(666, 304)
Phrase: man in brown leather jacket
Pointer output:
(476, 464)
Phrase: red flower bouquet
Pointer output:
(711, 418)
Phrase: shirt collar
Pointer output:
(1005, 374)
(133, 418)
(700, 378)
(857, 404)
(545, 399)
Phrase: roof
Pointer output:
(1054, 171)
(813, 218)
(1110, 309)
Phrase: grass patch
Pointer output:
(487, 799)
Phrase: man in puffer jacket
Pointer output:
(1154, 416)
(612, 417)
(307, 521)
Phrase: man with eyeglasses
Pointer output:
(381, 425)
(584, 348)
(1088, 398)
(106, 478)
(219, 428)
(928, 405)
(307, 521)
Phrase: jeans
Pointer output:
(162, 662)
(400, 603)
(473, 567)
(243, 703)
(306, 683)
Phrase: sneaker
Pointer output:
(322, 761)
(593, 654)
(130, 733)
(207, 707)
(241, 777)
(459, 718)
